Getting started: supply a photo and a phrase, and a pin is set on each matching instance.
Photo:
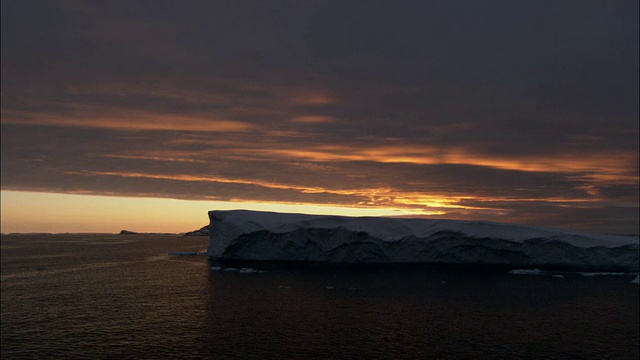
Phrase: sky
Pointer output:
(146, 114)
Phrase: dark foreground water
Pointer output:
(87, 296)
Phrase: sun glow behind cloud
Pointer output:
(383, 199)
(102, 99)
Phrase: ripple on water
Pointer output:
(142, 303)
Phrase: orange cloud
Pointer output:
(601, 166)
(385, 197)
(127, 120)
(312, 119)
(181, 177)
(310, 98)
(157, 157)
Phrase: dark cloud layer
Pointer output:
(503, 110)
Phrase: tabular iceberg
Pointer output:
(255, 235)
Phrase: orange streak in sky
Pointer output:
(129, 120)
(312, 119)
(154, 158)
(377, 197)
(610, 166)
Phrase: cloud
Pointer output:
(312, 119)
(508, 111)
(124, 119)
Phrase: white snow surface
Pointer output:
(257, 235)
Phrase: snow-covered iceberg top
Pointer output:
(255, 235)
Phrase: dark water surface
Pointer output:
(115, 296)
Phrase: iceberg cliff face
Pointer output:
(254, 235)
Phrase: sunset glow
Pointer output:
(127, 114)
(57, 213)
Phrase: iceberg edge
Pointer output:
(267, 236)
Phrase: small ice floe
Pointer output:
(636, 280)
(602, 273)
(230, 269)
(330, 288)
(183, 253)
(247, 271)
(558, 276)
(216, 268)
(443, 282)
(525, 272)
(354, 289)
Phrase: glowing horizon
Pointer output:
(75, 213)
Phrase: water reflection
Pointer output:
(371, 312)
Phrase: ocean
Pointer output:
(76, 296)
